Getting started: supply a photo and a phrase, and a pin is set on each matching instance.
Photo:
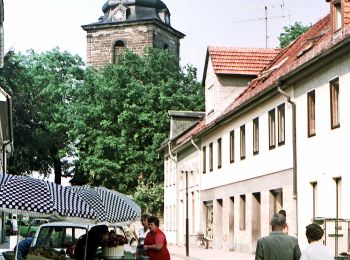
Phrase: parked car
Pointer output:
(56, 239)
(25, 227)
(28, 227)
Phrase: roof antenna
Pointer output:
(265, 18)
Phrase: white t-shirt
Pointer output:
(142, 235)
(316, 251)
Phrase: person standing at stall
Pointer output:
(141, 235)
(14, 225)
(155, 242)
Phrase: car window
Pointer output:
(58, 237)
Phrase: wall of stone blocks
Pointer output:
(100, 42)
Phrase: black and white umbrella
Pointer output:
(33, 197)
(108, 205)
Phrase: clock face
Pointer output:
(119, 15)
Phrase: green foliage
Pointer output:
(150, 197)
(291, 33)
(121, 117)
(41, 86)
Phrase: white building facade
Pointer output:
(276, 141)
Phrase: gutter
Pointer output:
(294, 147)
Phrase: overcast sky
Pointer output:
(44, 24)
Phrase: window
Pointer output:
(232, 146)
(204, 159)
(336, 12)
(277, 200)
(311, 117)
(209, 99)
(272, 129)
(314, 199)
(256, 135)
(242, 132)
(119, 49)
(334, 94)
(242, 210)
(338, 193)
(211, 157)
(219, 153)
(281, 124)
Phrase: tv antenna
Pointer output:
(266, 18)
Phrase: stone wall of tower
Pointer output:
(136, 36)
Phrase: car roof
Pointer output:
(66, 224)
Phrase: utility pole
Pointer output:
(187, 221)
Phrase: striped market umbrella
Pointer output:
(39, 198)
(109, 205)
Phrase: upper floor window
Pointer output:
(256, 135)
(242, 143)
(211, 157)
(281, 124)
(118, 51)
(272, 129)
(204, 159)
(232, 146)
(209, 99)
(337, 15)
(219, 153)
(334, 95)
(311, 116)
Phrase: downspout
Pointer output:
(294, 147)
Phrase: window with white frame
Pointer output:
(242, 212)
(256, 136)
(204, 159)
(334, 96)
(209, 99)
(311, 113)
(272, 129)
(281, 124)
(211, 159)
(219, 153)
(232, 146)
(337, 15)
(242, 142)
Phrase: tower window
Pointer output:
(118, 50)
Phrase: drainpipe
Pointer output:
(294, 147)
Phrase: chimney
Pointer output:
(340, 15)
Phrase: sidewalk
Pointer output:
(179, 253)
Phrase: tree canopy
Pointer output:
(111, 120)
(291, 33)
(40, 86)
(120, 117)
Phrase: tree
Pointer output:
(121, 117)
(41, 87)
(291, 33)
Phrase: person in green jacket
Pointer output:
(277, 245)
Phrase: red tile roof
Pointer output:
(311, 45)
(241, 61)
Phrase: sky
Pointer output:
(42, 25)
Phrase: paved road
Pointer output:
(179, 253)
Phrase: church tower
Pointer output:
(131, 24)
